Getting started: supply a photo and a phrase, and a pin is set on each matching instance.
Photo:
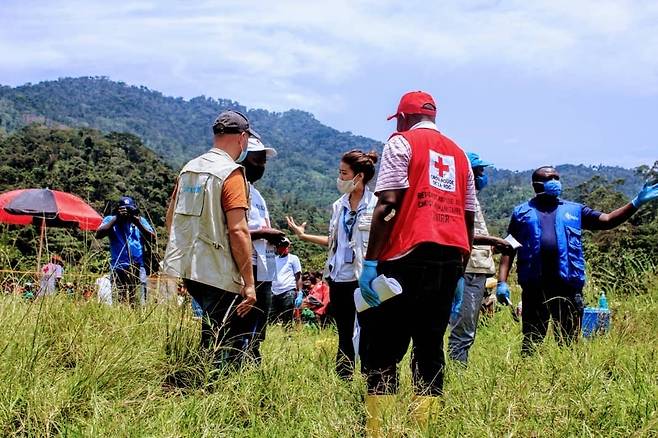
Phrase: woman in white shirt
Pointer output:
(347, 243)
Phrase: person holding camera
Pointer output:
(127, 231)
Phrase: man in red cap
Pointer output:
(421, 235)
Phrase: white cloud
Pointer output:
(592, 43)
(290, 53)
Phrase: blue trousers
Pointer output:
(464, 325)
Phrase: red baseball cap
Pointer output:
(416, 102)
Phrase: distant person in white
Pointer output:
(104, 289)
(285, 286)
(51, 274)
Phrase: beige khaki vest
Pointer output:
(198, 247)
(481, 261)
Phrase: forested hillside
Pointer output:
(101, 167)
(179, 129)
(77, 146)
(97, 167)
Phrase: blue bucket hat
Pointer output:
(476, 161)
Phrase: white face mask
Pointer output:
(345, 186)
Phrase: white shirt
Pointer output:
(394, 168)
(342, 272)
(286, 268)
(104, 289)
(263, 252)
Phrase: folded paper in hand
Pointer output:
(512, 241)
(385, 287)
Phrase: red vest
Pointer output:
(433, 206)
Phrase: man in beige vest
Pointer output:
(464, 320)
(209, 244)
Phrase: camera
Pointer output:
(129, 204)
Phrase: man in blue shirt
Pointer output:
(551, 263)
(127, 231)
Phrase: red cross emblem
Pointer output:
(441, 167)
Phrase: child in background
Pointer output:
(318, 297)
(28, 291)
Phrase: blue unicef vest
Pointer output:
(568, 232)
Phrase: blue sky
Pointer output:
(524, 83)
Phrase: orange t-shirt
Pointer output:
(234, 192)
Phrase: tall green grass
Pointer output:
(83, 369)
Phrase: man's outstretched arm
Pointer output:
(607, 221)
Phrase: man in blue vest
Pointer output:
(551, 264)
(127, 231)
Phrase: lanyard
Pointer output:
(348, 224)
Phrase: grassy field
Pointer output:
(83, 369)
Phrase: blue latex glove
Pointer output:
(457, 300)
(503, 293)
(647, 194)
(298, 299)
(368, 274)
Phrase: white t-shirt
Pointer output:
(263, 253)
(286, 268)
(50, 273)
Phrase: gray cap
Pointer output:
(232, 122)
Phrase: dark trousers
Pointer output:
(256, 319)
(553, 299)
(282, 307)
(343, 311)
(125, 281)
(428, 276)
(224, 334)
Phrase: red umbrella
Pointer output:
(55, 208)
(45, 207)
(7, 218)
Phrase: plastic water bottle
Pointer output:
(603, 301)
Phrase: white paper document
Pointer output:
(385, 287)
(512, 241)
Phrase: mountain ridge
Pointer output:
(177, 129)
(111, 123)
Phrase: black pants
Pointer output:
(256, 319)
(224, 334)
(551, 299)
(343, 311)
(125, 281)
(428, 276)
(282, 307)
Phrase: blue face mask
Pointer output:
(243, 155)
(481, 182)
(553, 188)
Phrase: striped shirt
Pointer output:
(394, 168)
